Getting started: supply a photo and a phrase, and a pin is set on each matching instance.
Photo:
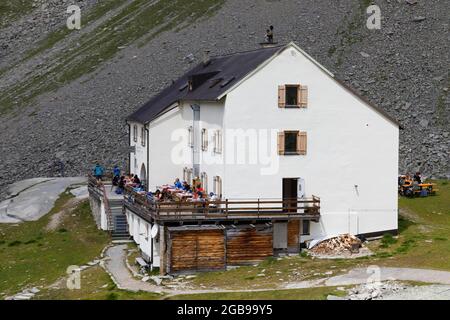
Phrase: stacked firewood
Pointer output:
(337, 245)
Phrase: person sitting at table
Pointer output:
(157, 194)
(121, 185)
(418, 178)
(136, 180)
(178, 184)
(186, 186)
(213, 197)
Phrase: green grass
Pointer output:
(95, 284)
(31, 255)
(423, 243)
(140, 20)
(53, 38)
(387, 241)
(13, 9)
(319, 293)
(349, 32)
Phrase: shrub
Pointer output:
(387, 240)
(15, 243)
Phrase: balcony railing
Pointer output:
(251, 209)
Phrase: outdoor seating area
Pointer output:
(176, 192)
(414, 186)
(175, 202)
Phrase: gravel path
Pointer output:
(122, 277)
(115, 265)
(434, 292)
(361, 275)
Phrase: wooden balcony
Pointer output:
(224, 210)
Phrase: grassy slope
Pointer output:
(413, 248)
(294, 294)
(139, 21)
(14, 9)
(30, 255)
(95, 285)
(428, 219)
(425, 238)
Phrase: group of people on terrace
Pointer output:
(118, 180)
(179, 191)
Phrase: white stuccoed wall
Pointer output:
(211, 118)
(140, 231)
(349, 144)
(141, 152)
(168, 135)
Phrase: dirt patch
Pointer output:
(409, 215)
(57, 218)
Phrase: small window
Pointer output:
(204, 139)
(191, 137)
(187, 175)
(218, 186)
(305, 227)
(185, 170)
(292, 143)
(204, 181)
(143, 136)
(291, 96)
(135, 133)
(218, 141)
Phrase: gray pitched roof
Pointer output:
(221, 73)
(212, 80)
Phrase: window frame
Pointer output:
(292, 106)
(143, 138)
(205, 141)
(308, 228)
(302, 94)
(204, 181)
(191, 136)
(218, 141)
(217, 187)
(296, 133)
(135, 133)
(301, 143)
(188, 175)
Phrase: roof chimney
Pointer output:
(206, 58)
(269, 43)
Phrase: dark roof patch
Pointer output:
(229, 69)
(226, 70)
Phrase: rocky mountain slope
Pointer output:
(65, 94)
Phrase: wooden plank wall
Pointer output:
(293, 240)
(246, 246)
(197, 250)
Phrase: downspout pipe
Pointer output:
(148, 156)
(196, 133)
(148, 189)
(129, 146)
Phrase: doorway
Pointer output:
(293, 188)
(143, 176)
(290, 194)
